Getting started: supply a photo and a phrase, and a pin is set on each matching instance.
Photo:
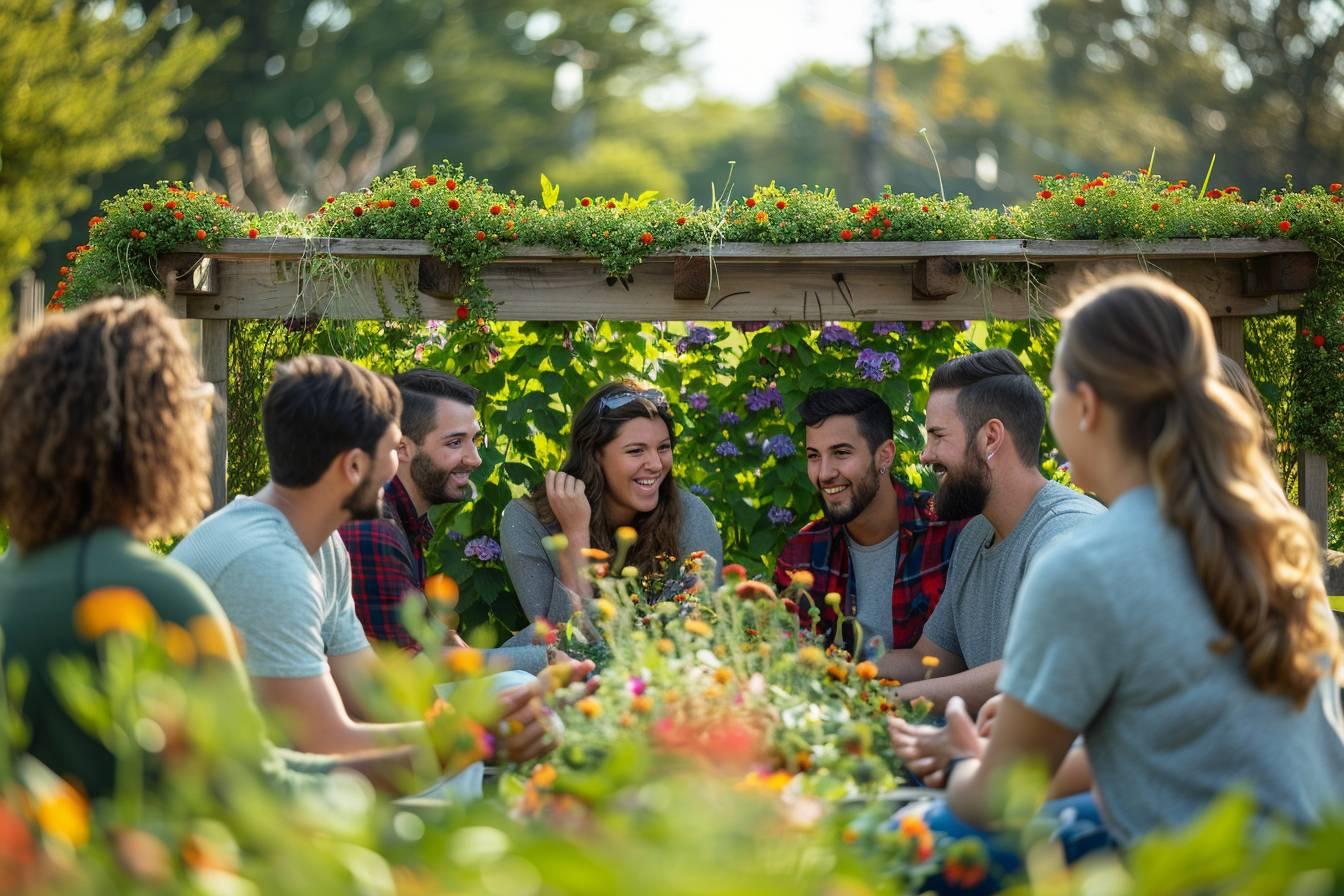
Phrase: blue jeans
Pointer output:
(1077, 828)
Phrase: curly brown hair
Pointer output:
(102, 424)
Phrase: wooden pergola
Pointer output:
(869, 281)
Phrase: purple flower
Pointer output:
(484, 549)
(695, 335)
(698, 400)
(749, 326)
(454, 535)
(729, 418)
(636, 685)
(780, 516)
(700, 490)
(779, 446)
(927, 325)
(875, 366)
(834, 334)
(760, 399)
(887, 327)
(727, 449)
(433, 325)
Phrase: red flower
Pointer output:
(1214, 194)
(170, 204)
(646, 238)
(846, 234)
(751, 202)
(495, 209)
(1059, 177)
(1285, 226)
(1038, 177)
(200, 234)
(480, 234)
(1045, 194)
(1318, 341)
(148, 206)
(64, 270)
(454, 204)
(1334, 199)
(1156, 206)
(854, 209)
(252, 234)
(1335, 188)
(94, 222)
(585, 202)
(876, 232)
(1079, 201)
(450, 184)
(924, 208)
(1278, 198)
(781, 204)
(358, 210)
(463, 312)
(415, 202)
(1306, 332)
(431, 180)
(415, 185)
(886, 222)
(611, 203)
(681, 220)
(178, 215)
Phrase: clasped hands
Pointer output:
(927, 749)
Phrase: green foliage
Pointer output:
(84, 92)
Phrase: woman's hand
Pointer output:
(926, 749)
(569, 502)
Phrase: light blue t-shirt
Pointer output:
(293, 609)
(1111, 638)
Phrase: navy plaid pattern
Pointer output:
(387, 562)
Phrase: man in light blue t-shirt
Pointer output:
(984, 421)
(282, 574)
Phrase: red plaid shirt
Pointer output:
(387, 564)
(923, 551)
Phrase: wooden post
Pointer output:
(214, 357)
(31, 291)
(1230, 335)
(1313, 490)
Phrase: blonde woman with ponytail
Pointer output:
(1185, 632)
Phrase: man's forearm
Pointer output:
(975, 686)
(902, 665)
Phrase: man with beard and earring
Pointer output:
(983, 423)
(879, 546)
(436, 455)
(280, 570)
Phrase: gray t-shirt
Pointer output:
(536, 580)
(971, 619)
(293, 609)
(874, 569)
(1111, 639)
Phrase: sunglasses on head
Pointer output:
(621, 399)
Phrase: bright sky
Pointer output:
(750, 46)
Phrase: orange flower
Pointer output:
(811, 656)
(594, 554)
(930, 662)
(802, 578)
(465, 661)
(734, 571)
(589, 707)
(544, 775)
(723, 675)
(213, 637)
(62, 813)
(866, 670)
(753, 590)
(642, 704)
(697, 627)
(665, 645)
(442, 589)
(114, 609)
(838, 672)
(177, 643)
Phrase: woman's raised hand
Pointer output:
(569, 503)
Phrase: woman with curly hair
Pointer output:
(103, 431)
(618, 474)
(1210, 663)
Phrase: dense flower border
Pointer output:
(468, 221)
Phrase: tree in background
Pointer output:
(85, 89)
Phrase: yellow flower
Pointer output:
(62, 813)
(605, 608)
(723, 675)
(625, 536)
(833, 599)
(178, 644)
(866, 670)
(556, 543)
(698, 627)
(630, 572)
(114, 609)
(642, 704)
(930, 662)
(589, 707)
(442, 589)
(838, 672)
(213, 637)
(465, 661)
(803, 578)
(763, 649)
(665, 645)
(811, 656)
(713, 692)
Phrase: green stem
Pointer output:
(924, 132)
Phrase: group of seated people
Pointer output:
(1150, 647)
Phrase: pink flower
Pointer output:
(636, 685)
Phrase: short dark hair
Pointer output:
(420, 389)
(872, 414)
(995, 385)
(319, 407)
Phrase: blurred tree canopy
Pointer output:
(320, 95)
(85, 88)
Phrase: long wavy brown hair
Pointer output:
(594, 427)
(1146, 346)
(102, 423)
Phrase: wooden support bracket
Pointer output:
(1271, 274)
(690, 278)
(193, 274)
(440, 279)
(937, 278)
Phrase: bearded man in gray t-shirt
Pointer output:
(984, 421)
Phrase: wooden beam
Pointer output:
(214, 358)
(937, 278)
(31, 304)
(1313, 492)
(1230, 334)
(1269, 274)
(439, 278)
(690, 279)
